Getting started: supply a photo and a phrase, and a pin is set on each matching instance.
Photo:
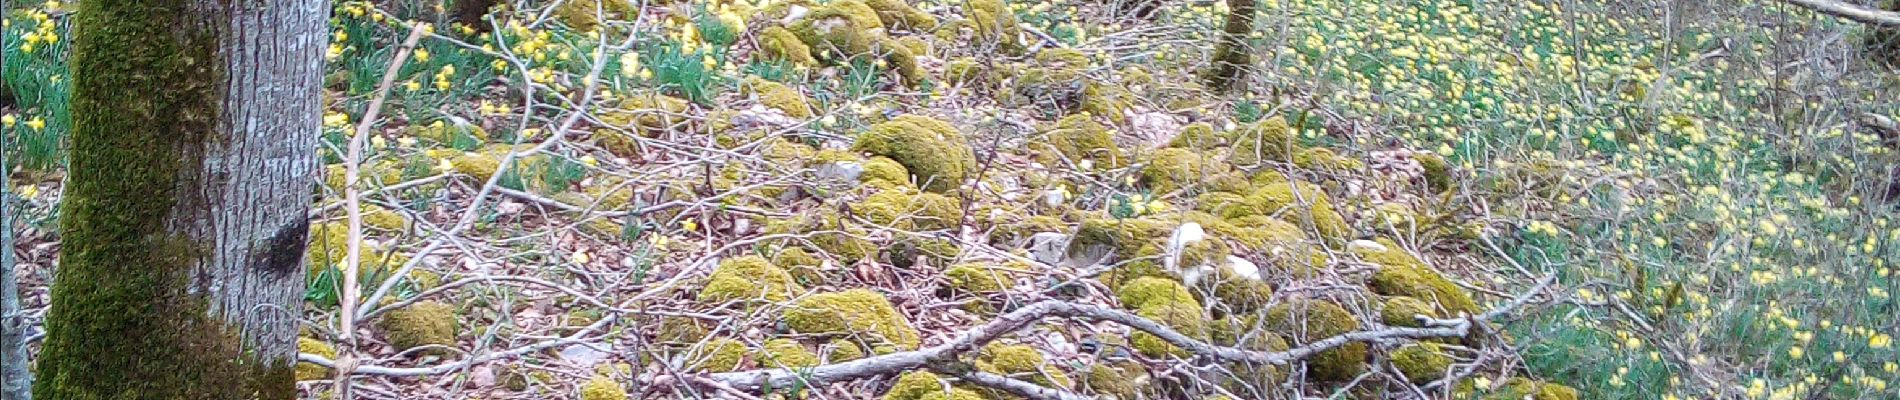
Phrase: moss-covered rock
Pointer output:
(1118, 379)
(995, 25)
(976, 279)
(967, 72)
(1421, 362)
(1170, 169)
(1323, 159)
(841, 350)
(933, 151)
(1304, 203)
(828, 232)
(1404, 311)
(915, 385)
(1196, 136)
(718, 355)
(1186, 318)
(452, 133)
(1241, 294)
(911, 212)
(777, 96)
(586, 15)
(1078, 138)
(780, 44)
(785, 353)
(1518, 389)
(1267, 140)
(1023, 362)
(601, 387)
(861, 314)
(308, 371)
(1305, 321)
(803, 266)
(425, 323)
(680, 331)
(748, 278)
(1437, 171)
(901, 15)
(1145, 291)
(650, 114)
(885, 169)
(1401, 274)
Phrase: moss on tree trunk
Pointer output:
(1232, 54)
(171, 169)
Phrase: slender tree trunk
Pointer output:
(14, 378)
(15, 381)
(470, 13)
(1232, 54)
(183, 225)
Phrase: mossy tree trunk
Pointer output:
(1232, 55)
(195, 126)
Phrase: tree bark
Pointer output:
(14, 378)
(1232, 54)
(183, 224)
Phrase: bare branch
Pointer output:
(1852, 12)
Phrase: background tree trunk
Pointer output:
(15, 380)
(183, 223)
(1232, 54)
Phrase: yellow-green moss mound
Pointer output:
(425, 323)
(1401, 274)
(976, 279)
(311, 372)
(1307, 321)
(1404, 311)
(861, 314)
(1421, 362)
(1079, 138)
(932, 151)
(601, 387)
(1021, 361)
(749, 278)
(786, 353)
(916, 385)
(719, 355)
(911, 212)
(779, 97)
(780, 44)
(1268, 140)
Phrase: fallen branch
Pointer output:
(1851, 12)
(1017, 387)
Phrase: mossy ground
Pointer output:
(1743, 191)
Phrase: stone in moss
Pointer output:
(448, 132)
(899, 14)
(1022, 361)
(718, 355)
(858, 313)
(1186, 318)
(841, 350)
(1323, 159)
(1522, 389)
(977, 279)
(1306, 321)
(911, 212)
(308, 371)
(803, 266)
(995, 25)
(1239, 292)
(1117, 379)
(932, 151)
(616, 143)
(585, 15)
(885, 169)
(780, 44)
(779, 97)
(1421, 362)
(425, 323)
(1148, 290)
(1170, 169)
(748, 278)
(1437, 171)
(601, 387)
(1078, 137)
(1268, 140)
(786, 353)
(914, 385)
(1404, 311)
(967, 72)
(1401, 274)
(375, 216)
(1196, 136)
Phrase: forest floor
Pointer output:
(595, 199)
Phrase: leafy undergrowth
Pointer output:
(794, 184)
